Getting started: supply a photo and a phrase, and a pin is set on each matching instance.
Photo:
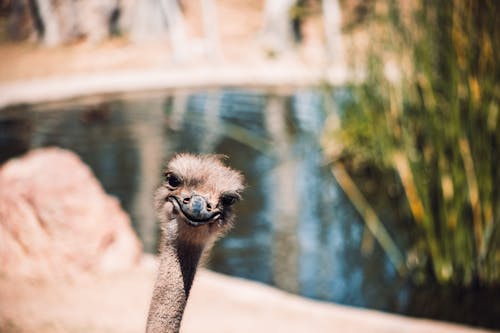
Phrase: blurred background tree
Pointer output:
(428, 108)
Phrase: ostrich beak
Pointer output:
(196, 209)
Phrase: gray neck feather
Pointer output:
(178, 264)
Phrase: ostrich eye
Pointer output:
(173, 180)
(228, 199)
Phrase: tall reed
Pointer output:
(429, 109)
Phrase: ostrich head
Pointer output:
(194, 202)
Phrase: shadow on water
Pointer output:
(296, 229)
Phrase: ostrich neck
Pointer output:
(178, 264)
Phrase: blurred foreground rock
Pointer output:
(56, 221)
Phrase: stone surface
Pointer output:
(119, 302)
(56, 221)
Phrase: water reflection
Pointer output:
(285, 199)
(295, 229)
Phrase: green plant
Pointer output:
(429, 109)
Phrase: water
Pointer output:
(295, 229)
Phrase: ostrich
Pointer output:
(194, 205)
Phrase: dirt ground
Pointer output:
(31, 73)
(239, 29)
(219, 304)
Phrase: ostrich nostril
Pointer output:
(209, 207)
(186, 200)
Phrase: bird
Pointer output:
(195, 207)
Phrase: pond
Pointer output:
(295, 230)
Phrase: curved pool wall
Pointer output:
(295, 229)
